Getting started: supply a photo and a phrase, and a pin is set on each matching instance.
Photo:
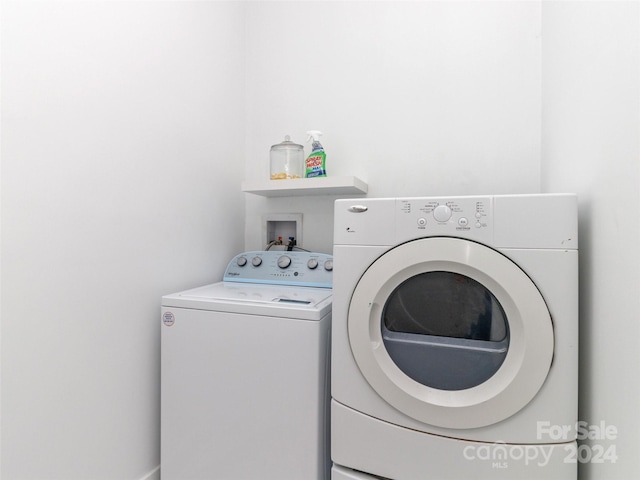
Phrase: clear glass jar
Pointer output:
(287, 160)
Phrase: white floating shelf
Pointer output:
(306, 186)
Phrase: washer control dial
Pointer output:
(442, 213)
(312, 264)
(256, 261)
(284, 262)
(241, 261)
(328, 265)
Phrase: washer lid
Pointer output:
(304, 303)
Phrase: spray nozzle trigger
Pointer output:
(314, 134)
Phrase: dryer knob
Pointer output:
(442, 213)
(256, 261)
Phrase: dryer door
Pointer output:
(450, 332)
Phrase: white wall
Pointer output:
(121, 127)
(591, 145)
(416, 98)
(121, 163)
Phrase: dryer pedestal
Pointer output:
(366, 444)
(341, 473)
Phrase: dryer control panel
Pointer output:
(303, 269)
(467, 217)
(513, 221)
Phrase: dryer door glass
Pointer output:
(445, 330)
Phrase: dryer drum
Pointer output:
(445, 330)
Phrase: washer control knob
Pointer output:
(284, 261)
(328, 265)
(241, 261)
(312, 263)
(256, 261)
(442, 213)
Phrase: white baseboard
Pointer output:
(152, 475)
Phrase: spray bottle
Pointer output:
(315, 164)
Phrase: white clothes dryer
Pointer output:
(245, 372)
(455, 338)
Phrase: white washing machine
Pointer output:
(455, 338)
(245, 372)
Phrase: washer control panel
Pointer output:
(468, 217)
(304, 269)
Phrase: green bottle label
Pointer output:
(316, 165)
